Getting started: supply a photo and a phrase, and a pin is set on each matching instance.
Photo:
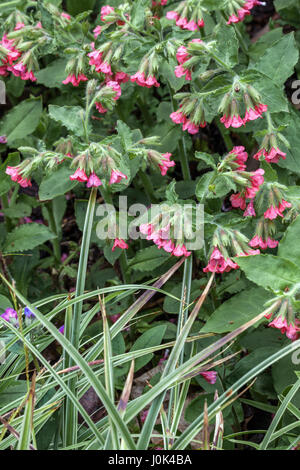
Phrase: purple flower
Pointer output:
(28, 313)
(62, 329)
(3, 139)
(10, 315)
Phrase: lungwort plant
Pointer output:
(149, 225)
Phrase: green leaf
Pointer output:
(279, 60)
(207, 158)
(270, 272)
(74, 7)
(227, 45)
(152, 337)
(18, 210)
(22, 120)
(4, 303)
(236, 311)
(56, 184)
(26, 237)
(16, 390)
(69, 116)
(148, 259)
(53, 75)
(289, 247)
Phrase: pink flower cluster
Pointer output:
(235, 120)
(15, 173)
(243, 11)
(274, 211)
(178, 117)
(75, 79)
(146, 81)
(183, 22)
(116, 88)
(219, 264)
(272, 156)
(182, 57)
(159, 238)
(108, 11)
(19, 69)
(259, 242)
(101, 65)
(240, 157)
(93, 180)
(291, 330)
(256, 179)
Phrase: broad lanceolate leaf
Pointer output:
(22, 120)
(53, 75)
(237, 310)
(26, 237)
(271, 272)
(56, 184)
(69, 116)
(148, 259)
(278, 61)
(152, 337)
(289, 247)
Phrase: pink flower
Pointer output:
(140, 79)
(172, 15)
(19, 26)
(116, 87)
(273, 211)
(250, 211)
(14, 173)
(144, 415)
(237, 200)
(233, 121)
(169, 246)
(121, 77)
(180, 71)
(20, 70)
(191, 127)
(97, 31)
(178, 117)
(181, 250)
(241, 157)
(166, 163)
(100, 108)
(272, 156)
(146, 229)
(75, 80)
(252, 114)
(93, 181)
(218, 264)
(79, 175)
(116, 177)
(119, 243)
(210, 376)
(182, 55)
(66, 16)
(106, 10)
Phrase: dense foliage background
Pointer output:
(175, 102)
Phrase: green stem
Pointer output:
(147, 186)
(53, 228)
(82, 267)
(182, 150)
